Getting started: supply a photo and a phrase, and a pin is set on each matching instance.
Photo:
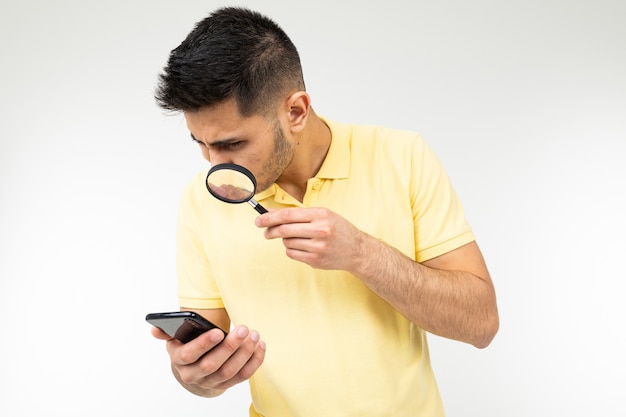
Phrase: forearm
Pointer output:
(454, 304)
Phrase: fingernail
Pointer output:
(216, 336)
(262, 344)
(242, 331)
(254, 336)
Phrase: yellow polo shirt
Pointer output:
(334, 348)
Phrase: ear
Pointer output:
(298, 106)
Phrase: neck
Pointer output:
(312, 145)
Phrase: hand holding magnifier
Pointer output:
(233, 183)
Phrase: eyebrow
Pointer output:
(220, 142)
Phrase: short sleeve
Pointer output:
(439, 221)
(196, 284)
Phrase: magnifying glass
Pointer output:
(233, 183)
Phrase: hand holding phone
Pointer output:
(181, 325)
(199, 367)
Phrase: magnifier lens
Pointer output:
(230, 185)
(233, 184)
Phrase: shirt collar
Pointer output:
(336, 165)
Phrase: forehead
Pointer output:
(221, 121)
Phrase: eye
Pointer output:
(199, 142)
(229, 146)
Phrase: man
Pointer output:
(365, 247)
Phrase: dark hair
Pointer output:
(233, 53)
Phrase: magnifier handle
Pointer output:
(259, 208)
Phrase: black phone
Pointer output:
(181, 325)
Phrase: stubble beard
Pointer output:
(280, 158)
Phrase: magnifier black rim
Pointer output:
(232, 167)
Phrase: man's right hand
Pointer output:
(211, 363)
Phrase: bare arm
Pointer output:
(451, 295)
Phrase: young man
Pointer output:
(365, 247)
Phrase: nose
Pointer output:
(214, 157)
(219, 161)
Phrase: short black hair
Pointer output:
(233, 53)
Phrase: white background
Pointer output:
(524, 101)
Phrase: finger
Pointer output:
(239, 348)
(318, 228)
(248, 369)
(307, 244)
(192, 351)
(253, 363)
(283, 216)
(313, 259)
(290, 230)
(230, 345)
(233, 365)
(205, 354)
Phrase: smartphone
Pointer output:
(181, 325)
